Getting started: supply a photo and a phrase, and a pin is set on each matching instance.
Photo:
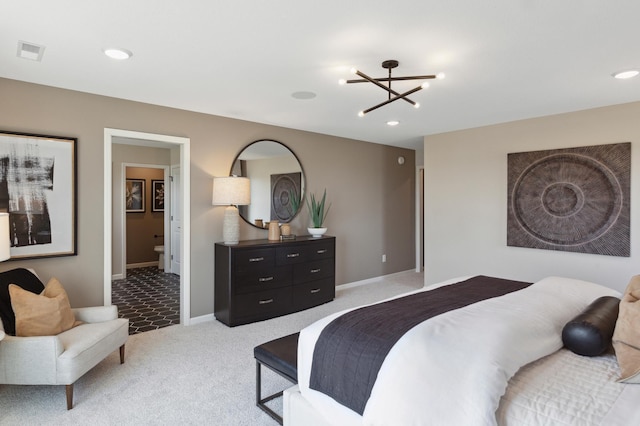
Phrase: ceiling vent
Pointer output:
(30, 51)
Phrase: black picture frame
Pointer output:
(38, 188)
(135, 195)
(157, 194)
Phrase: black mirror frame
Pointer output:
(303, 183)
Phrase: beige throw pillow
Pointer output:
(45, 314)
(626, 336)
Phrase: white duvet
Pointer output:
(453, 369)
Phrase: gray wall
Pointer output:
(373, 198)
(466, 198)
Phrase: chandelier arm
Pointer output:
(417, 77)
(399, 96)
(382, 86)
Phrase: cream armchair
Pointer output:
(64, 358)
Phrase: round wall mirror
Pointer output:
(277, 182)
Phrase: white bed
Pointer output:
(438, 375)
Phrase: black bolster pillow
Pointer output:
(590, 332)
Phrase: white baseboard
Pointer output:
(117, 277)
(201, 319)
(141, 265)
(370, 280)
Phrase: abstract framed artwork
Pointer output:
(157, 190)
(574, 199)
(135, 196)
(38, 188)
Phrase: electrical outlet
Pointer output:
(384, 258)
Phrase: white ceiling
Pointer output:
(504, 59)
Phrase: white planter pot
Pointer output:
(317, 232)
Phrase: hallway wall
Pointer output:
(141, 227)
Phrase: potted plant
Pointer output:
(317, 214)
(294, 202)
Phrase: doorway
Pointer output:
(420, 219)
(139, 233)
(181, 147)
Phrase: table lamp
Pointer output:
(231, 191)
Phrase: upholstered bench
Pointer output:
(281, 356)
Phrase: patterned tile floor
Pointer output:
(148, 297)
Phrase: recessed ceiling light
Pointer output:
(626, 74)
(117, 53)
(303, 95)
(393, 123)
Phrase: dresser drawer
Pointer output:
(257, 258)
(313, 293)
(264, 304)
(260, 279)
(289, 255)
(320, 250)
(311, 271)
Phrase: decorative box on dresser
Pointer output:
(260, 279)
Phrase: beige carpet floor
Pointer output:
(198, 375)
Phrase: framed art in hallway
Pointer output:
(38, 188)
(157, 191)
(135, 195)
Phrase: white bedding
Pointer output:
(568, 389)
(453, 369)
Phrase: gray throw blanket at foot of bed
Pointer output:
(352, 348)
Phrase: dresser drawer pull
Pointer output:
(256, 259)
(323, 251)
(265, 279)
(313, 271)
(293, 254)
(265, 302)
(315, 290)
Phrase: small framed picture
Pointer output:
(158, 195)
(134, 193)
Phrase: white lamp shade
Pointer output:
(5, 241)
(231, 190)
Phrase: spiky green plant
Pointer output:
(294, 202)
(317, 212)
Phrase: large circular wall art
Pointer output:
(571, 199)
(283, 187)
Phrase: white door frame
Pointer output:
(162, 141)
(419, 223)
(169, 263)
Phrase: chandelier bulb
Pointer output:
(361, 114)
(425, 85)
(440, 76)
(353, 71)
(342, 82)
(417, 105)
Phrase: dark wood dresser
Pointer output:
(260, 279)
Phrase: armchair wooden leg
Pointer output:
(122, 354)
(70, 396)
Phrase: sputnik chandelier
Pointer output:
(392, 94)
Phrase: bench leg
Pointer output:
(122, 354)
(260, 402)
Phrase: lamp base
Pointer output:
(231, 226)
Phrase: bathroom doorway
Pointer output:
(144, 213)
(147, 292)
(114, 222)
